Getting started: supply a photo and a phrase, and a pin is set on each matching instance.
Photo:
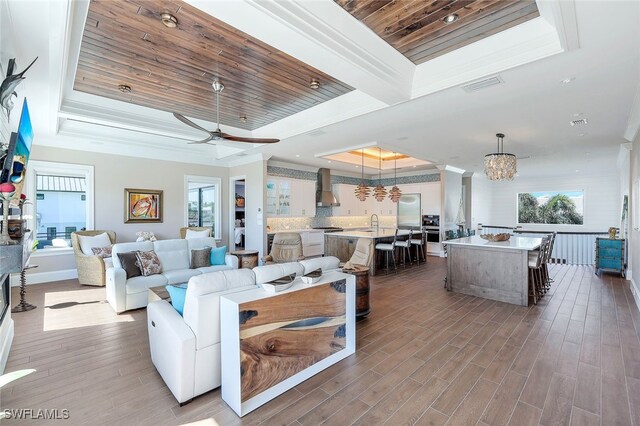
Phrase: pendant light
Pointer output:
(362, 191)
(500, 165)
(395, 193)
(379, 192)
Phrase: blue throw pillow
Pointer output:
(217, 255)
(177, 293)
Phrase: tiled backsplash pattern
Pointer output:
(282, 224)
(299, 174)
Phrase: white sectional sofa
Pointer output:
(175, 257)
(186, 349)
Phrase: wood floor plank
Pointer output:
(424, 356)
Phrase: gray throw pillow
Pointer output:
(201, 258)
(129, 263)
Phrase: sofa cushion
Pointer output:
(215, 268)
(200, 258)
(129, 262)
(177, 293)
(88, 242)
(173, 254)
(200, 243)
(178, 276)
(140, 284)
(326, 263)
(148, 263)
(128, 247)
(196, 234)
(102, 252)
(219, 281)
(267, 273)
(218, 255)
(108, 263)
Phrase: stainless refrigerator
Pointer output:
(409, 211)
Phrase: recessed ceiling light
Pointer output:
(567, 80)
(578, 114)
(357, 167)
(449, 19)
(124, 88)
(577, 170)
(415, 167)
(587, 153)
(169, 20)
(402, 138)
(328, 161)
(298, 155)
(581, 134)
(314, 84)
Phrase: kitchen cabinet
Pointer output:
(290, 198)
(349, 204)
(431, 197)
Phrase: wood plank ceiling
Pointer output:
(417, 28)
(171, 69)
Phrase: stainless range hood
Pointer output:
(324, 196)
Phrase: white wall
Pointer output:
(601, 200)
(114, 173)
(481, 200)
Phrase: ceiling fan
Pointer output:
(217, 135)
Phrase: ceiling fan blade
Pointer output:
(203, 141)
(188, 122)
(249, 140)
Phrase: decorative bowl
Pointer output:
(279, 284)
(496, 237)
(312, 277)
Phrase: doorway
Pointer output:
(237, 193)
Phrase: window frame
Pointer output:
(39, 167)
(584, 219)
(209, 180)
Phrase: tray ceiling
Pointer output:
(417, 28)
(171, 69)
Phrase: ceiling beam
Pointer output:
(325, 36)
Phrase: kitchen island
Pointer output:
(493, 270)
(343, 244)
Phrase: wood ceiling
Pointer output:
(171, 69)
(417, 30)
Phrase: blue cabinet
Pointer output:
(610, 255)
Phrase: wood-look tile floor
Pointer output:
(424, 356)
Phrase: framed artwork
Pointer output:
(142, 205)
(551, 207)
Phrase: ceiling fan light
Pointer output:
(314, 84)
(124, 88)
(168, 20)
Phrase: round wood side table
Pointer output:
(246, 258)
(362, 290)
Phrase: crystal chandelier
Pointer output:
(395, 193)
(500, 165)
(362, 191)
(379, 192)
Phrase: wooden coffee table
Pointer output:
(246, 258)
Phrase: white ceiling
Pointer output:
(417, 110)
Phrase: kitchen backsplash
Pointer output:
(282, 224)
(336, 178)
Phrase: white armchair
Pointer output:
(186, 350)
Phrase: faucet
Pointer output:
(377, 222)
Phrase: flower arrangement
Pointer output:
(7, 192)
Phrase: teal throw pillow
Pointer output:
(217, 255)
(177, 293)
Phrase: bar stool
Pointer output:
(389, 248)
(536, 277)
(405, 246)
(419, 243)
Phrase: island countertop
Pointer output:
(372, 234)
(514, 243)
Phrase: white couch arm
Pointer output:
(231, 260)
(117, 289)
(173, 349)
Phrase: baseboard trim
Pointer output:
(635, 291)
(45, 277)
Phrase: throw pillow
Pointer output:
(177, 293)
(197, 234)
(148, 262)
(129, 262)
(217, 255)
(200, 258)
(102, 252)
(88, 242)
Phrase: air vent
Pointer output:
(316, 133)
(578, 122)
(482, 84)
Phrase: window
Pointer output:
(62, 201)
(551, 207)
(202, 201)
